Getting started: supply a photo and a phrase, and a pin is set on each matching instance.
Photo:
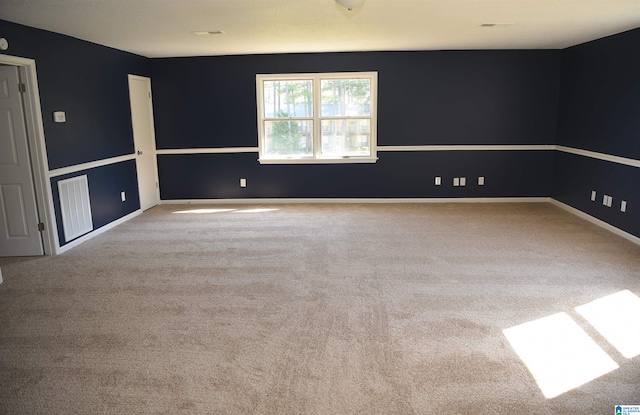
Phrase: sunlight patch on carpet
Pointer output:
(617, 318)
(204, 211)
(254, 210)
(257, 210)
(558, 353)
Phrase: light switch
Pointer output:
(463, 181)
(59, 116)
(456, 181)
(481, 181)
(438, 181)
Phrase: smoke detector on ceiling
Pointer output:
(350, 5)
(204, 33)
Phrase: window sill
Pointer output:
(293, 160)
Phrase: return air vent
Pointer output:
(75, 207)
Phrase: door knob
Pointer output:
(139, 152)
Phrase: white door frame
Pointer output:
(37, 150)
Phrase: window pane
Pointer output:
(346, 137)
(346, 97)
(289, 138)
(284, 99)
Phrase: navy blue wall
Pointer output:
(599, 110)
(600, 96)
(456, 97)
(575, 177)
(397, 174)
(88, 82)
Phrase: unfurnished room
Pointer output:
(319, 207)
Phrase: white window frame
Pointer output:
(317, 157)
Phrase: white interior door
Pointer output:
(19, 234)
(145, 140)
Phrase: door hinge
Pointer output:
(149, 95)
(41, 226)
(22, 87)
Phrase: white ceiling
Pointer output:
(162, 28)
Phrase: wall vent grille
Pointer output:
(75, 207)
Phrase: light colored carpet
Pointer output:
(309, 309)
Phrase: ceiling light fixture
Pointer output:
(202, 33)
(350, 5)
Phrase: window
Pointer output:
(317, 118)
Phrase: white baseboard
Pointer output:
(597, 221)
(257, 201)
(98, 231)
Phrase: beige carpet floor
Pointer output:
(312, 309)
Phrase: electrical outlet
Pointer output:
(456, 181)
(481, 181)
(438, 181)
(593, 195)
(463, 181)
(243, 182)
(623, 206)
(123, 196)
